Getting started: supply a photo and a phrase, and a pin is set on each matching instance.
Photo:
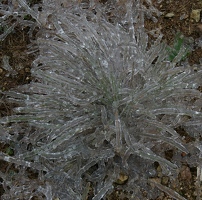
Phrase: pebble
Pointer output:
(121, 179)
(164, 180)
(169, 15)
(195, 15)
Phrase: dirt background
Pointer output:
(184, 16)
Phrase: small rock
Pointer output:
(164, 180)
(169, 15)
(195, 15)
(122, 179)
(185, 173)
(159, 171)
(184, 16)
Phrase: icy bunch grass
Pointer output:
(105, 101)
(13, 15)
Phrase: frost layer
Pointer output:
(104, 101)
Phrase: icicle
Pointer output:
(28, 9)
(8, 31)
(108, 186)
(118, 130)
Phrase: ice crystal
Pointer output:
(105, 100)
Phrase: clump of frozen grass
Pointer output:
(12, 14)
(102, 99)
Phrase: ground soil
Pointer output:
(176, 17)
